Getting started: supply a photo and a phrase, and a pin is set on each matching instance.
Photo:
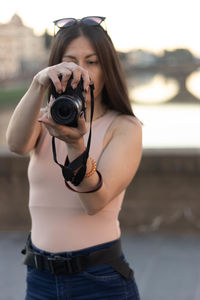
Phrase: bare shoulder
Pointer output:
(126, 125)
(125, 129)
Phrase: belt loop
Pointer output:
(69, 266)
(51, 266)
(35, 260)
(38, 261)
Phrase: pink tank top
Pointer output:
(59, 220)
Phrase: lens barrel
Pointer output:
(66, 109)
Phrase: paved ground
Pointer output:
(166, 267)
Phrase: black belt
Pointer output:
(59, 265)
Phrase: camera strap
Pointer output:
(75, 171)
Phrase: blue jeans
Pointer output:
(100, 282)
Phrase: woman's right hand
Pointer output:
(65, 70)
(23, 133)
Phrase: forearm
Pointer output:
(23, 127)
(95, 201)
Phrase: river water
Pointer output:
(167, 125)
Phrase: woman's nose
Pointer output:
(82, 64)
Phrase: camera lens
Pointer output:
(66, 109)
(63, 111)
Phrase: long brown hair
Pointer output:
(115, 92)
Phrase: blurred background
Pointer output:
(158, 45)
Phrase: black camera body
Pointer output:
(67, 106)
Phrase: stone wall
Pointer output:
(164, 195)
(14, 214)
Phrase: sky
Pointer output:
(147, 24)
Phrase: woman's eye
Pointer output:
(68, 60)
(92, 62)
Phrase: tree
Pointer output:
(47, 39)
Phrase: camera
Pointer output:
(67, 106)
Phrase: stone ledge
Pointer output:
(164, 195)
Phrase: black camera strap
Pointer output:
(75, 171)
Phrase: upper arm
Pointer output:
(121, 157)
(38, 129)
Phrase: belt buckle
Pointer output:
(62, 263)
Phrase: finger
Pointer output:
(76, 77)
(87, 97)
(81, 125)
(43, 114)
(45, 120)
(56, 81)
(79, 72)
(49, 104)
(50, 129)
(50, 126)
(49, 122)
(86, 80)
(43, 110)
(52, 98)
(65, 77)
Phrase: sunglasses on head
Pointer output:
(90, 21)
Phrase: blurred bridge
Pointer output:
(179, 72)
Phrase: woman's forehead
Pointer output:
(80, 43)
(79, 47)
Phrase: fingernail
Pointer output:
(59, 91)
(40, 121)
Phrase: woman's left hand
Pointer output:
(71, 135)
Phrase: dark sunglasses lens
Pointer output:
(65, 22)
(93, 21)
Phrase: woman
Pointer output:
(78, 227)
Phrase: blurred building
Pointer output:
(21, 50)
(141, 58)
